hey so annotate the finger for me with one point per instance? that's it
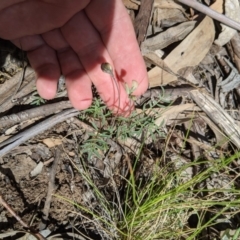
(77, 81)
(20, 18)
(44, 61)
(117, 33)
(86, 42)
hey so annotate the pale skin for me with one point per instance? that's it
(73, 38)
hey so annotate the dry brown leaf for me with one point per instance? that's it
(52, 142)
(217, 6)
(189, 52)
(174, 113)
(130, 5)
(168, 4)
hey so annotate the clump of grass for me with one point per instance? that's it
(162, 205)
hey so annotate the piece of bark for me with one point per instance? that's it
(235, 43)
(8, 88)
(171, 35)
(236, 60)
(234, 48)
(42, 111)
(217, 114)
(51, 189)
(142, 20)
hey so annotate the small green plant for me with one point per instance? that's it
(37, 100)
(100, 117)
(131, 89)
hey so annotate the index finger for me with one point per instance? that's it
(115, 27)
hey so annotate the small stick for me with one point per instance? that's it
(37, 112)
(24, 66)
(107, 68)
(22, 137)
(211, 13)
(51, 189)
(10, 210)
(19, 83)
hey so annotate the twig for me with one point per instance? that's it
(211, 13)
(141, 21)
(26, 88)
(51, 189)
(42, 111)
(35, 130)
(20, 82)
(10, 210)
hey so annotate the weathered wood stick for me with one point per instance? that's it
(211, 13)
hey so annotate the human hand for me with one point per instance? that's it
(74, 38)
